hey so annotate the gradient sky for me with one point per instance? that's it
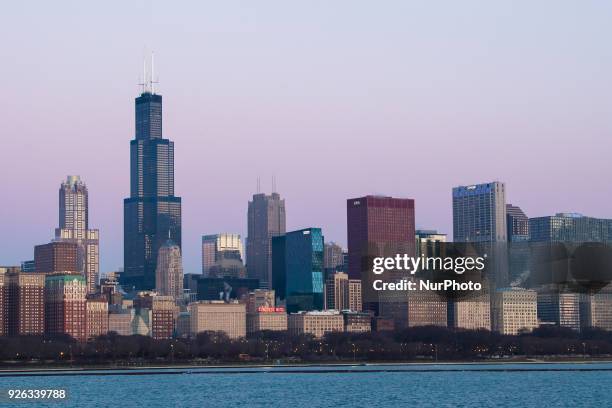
(337, 99)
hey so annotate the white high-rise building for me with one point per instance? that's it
(169, 271)
(74, 227)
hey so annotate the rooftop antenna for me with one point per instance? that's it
(258, 185)
(143, 84)
(152, 80)
(274, 184)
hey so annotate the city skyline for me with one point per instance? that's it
(285, 118)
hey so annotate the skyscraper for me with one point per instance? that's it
(377, 226)
(22, 309)
(377, 223)
(428, 242)
(222, 255)
(479, 213)
(74, 227)
(570, 227)
(152, 213)
(333, 259)
(518, 245)
(298, 269)
(479, 218)
(169, 272)
(517, 224)
(266, 219)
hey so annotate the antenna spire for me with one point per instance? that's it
(153, 81)
(148, 76)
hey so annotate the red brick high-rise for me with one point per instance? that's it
(56, 256)
(377, 226)
(163, 313)
(26, 304)
(65, 305)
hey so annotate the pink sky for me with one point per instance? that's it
(335, 99)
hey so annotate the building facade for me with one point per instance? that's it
(596, 310)
(377, 226)
(337, 291)
(25, 306)
(357, 322)
(56, 256)
(470, 314)
(223, 255)
(229, 318)
(333, 259)
(428, 242)
(570, 227)
(152, 213)
(267, 318)
(515, 311)
(96, 317)
(298, 269)
(65, 305)
(163, 312)
(74, 228)
(559, 308)
(316, 323)
(169, 271)
(266, 219)
(517, 224)
(479, 213)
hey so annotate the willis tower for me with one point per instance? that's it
(152, 213)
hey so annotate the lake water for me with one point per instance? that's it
(440, 385)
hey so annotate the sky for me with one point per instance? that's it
(335, 99)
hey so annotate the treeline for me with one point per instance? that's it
(414, 344)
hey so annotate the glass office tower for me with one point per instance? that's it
(152, 213)
(297, 269)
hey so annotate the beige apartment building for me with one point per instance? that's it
(217, 315)
(274, 319)
(354, 295)
(342, 293)
(515, 310)
(596, 310)
(317, 323)
(471, 314)
(96, 317)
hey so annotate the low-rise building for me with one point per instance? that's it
(218, 316)
(559, 308)
(120, 322)
(317, 323)
(596, 310)
(515, 311)
(163, 313)
(357, 322)
(96, 315)
(471, 314)
(267, 318)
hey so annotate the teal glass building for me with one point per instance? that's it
(297, 269)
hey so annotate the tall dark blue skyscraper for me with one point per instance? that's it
(152, 213)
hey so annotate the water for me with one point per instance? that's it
(440, 385)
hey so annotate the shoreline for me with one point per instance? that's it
(296, 367)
